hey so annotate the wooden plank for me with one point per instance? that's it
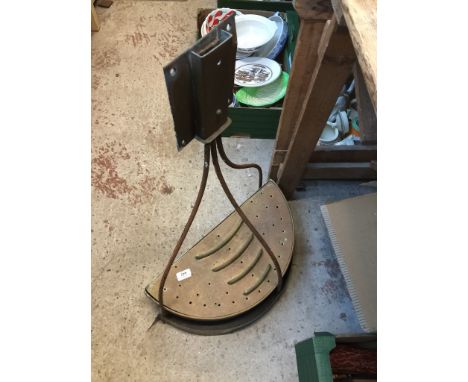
(303, 64)
(367, 117)
(361, 19)
(357, 153)
(340, 171)
(95, 25)
(314, 9)
(335, 61)
(336, 4)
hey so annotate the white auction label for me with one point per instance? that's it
(185, 274)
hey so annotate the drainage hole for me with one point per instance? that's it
(242, 261)
(175, 266)
(271, 196)
(282, 243)
(209, 283)
(229, 248)
(190, 302)
(233, 302)
(277, 206)
(252, 275)
(176, 296)
(284, 230)
(165, 289)
(259, 291)
(273, 225)
(227, 292)
(198, 294)
(180, 285)
(246, 298)
(204, 304)
(263, 233)
(268, 281)
(256, 216)
(219, 304)
(266, 206)
(218, 235)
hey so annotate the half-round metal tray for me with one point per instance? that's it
(228, 273)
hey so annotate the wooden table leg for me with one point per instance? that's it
(367, 116)
(305, 59)
(314, 15)
(335, 61)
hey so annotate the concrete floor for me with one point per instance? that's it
(142, 192)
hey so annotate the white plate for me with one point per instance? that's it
(256, 71)
(268, 48)
(202, 29)
(253, 31)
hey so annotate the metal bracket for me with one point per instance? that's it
(199, 83)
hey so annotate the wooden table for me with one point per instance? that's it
(331, 37)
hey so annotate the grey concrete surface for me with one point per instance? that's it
(142, 192)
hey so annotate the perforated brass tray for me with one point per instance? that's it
(227, 273)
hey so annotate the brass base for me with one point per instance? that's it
(228, 272)
(229, 325)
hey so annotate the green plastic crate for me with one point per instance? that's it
(256, 122)
(312, 356)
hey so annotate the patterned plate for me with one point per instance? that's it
(215, 17)
(256, 71)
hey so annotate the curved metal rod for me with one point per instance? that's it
(222, 153)
(206, 167)
(244, 217)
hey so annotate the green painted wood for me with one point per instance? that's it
(313, 360)
(253, 122)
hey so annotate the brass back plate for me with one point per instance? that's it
(228, 272)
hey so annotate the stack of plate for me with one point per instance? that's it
(253, 33)
(262, 79)
(257, 36)
(273, 47)
(259, 42)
